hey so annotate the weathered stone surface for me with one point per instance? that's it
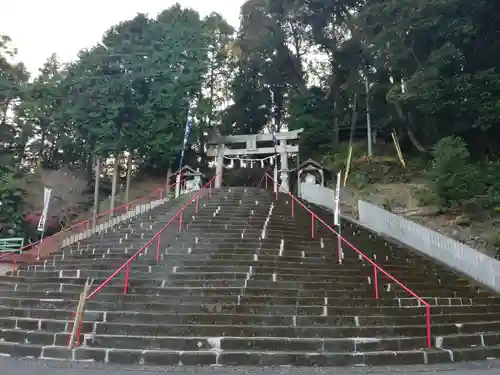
(239, 286)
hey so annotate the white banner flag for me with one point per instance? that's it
(336, 219)
(43, 217)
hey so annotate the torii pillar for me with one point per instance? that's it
(284, 171)
(219, 165)
(219, 151)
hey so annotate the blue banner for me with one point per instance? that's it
(189, 125)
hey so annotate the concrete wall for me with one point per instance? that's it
(462, 258)
(456, 255)
(319, 195)
(137, 210)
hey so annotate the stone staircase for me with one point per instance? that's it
(244, 283)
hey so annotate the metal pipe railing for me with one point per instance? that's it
(127, 264)
(84, 224)
(376, 267)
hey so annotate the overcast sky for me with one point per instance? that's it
(40, 27)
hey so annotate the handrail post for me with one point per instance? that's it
(127, 275)
(210, 192)
(266, 180)
(39, 250)
(74, 337)
(339, 248)
(128, 263)
(158, 249)
(428, 322)
(196, 210)
(376, 268)
(180, 223)
(293, 206)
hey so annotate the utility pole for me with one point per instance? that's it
(129, 174)
(116, 167)
(368, 119)
(96, 189)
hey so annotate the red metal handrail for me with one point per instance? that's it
(128, 263)
(376, 267)
(262, 179)
(85, 223)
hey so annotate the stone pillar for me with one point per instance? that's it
(284, 171)
(299, 192)
(219, 165)
(275, 177)
(177, 185)
(167, 184)
(197, 180)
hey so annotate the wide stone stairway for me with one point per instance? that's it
(242, 282)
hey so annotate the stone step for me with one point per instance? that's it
(221, 294)
(158, 278)
(107, 294)
(262, 295)
(211, 289)
(285, 320)
(250, 343)
(225, 260)
(253, 304)
(294, 262)
(330, 308)
(226, 357)
(453, 301)
(236, 287)
(472, 340)
(143, 329)
(261, 266)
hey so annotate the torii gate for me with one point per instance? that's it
(217, 148)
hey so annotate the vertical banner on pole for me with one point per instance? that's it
(45, 211)
(337, 200)
(43, 217)
(336, 218)
(189, 124)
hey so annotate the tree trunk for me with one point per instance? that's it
(411, 135)
(408, 124)
(42, 146)
(96, 188)
(354, 118)
(336, 131)
(116, 169)
(89, 167)
(129, 175)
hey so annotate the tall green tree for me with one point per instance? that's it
(216, 86)
(13, 82)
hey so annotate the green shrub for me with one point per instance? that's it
(425, 196)
(11, 203)
(453, 177)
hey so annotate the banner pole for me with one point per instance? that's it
(40, 245)
(43, 218)
(336, 218)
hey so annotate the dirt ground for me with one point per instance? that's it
(400, 198)
(73, 198)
